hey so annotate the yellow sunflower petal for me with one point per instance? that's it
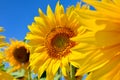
(106, 68)
(5, 76)
(65, 67)
(51, 16)
(35, 39)
(43, 67)
(1, 57)
(107, 37)
(52, 69)
(78, 57)
(117, 2)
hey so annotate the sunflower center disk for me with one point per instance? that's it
(21, 55)
(58, 42)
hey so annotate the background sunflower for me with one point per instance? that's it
(17, 54)
(106, 13)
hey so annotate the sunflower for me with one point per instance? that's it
(59, 40)
(2, 44)
(2, 38)
(107, 13)
(17, 54)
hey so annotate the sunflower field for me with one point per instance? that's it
(80, 42)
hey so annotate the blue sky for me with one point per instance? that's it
(16, 15)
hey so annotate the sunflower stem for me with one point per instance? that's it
(60, 73)
(72, 72)
(29, 74)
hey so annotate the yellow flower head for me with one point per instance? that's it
(2, 39)
(17, 54)
(2, 43)
(108, 13)
(58, 39)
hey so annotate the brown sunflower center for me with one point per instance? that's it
(21, 54)
(58, 42)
